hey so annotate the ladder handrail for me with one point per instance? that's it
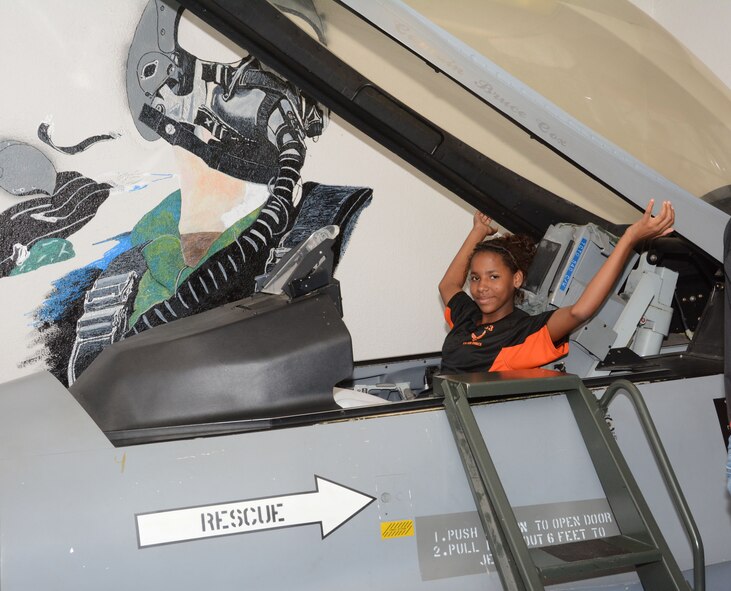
(668, 475)
(655, 565)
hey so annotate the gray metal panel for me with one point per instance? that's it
(409, 462)
(39, 416)
(74, 511)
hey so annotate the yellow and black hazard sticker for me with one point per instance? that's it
(397, 529)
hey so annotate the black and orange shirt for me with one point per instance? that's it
(518, 341)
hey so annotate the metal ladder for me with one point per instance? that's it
(640, 545)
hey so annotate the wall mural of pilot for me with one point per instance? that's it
(239, 133)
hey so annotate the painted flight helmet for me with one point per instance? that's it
(222, 112)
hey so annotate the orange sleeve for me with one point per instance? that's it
(448, 317)
(537, 349)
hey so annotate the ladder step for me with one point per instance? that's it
(592, 558)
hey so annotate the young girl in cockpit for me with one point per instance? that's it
(487, 331)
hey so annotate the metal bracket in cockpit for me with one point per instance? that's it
(306, 267)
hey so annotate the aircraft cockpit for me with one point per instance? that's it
(664, 319)
(415, 90)
(289, 344)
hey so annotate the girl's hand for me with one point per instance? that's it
(482, 222)
(649, 226)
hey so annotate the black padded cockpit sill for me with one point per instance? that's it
(262, 357)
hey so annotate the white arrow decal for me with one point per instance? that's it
(330, 505)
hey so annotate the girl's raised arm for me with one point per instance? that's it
(565, 320)
(456, 273)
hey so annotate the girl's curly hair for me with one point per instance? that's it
(516, 250)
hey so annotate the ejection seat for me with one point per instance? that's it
(634, 319)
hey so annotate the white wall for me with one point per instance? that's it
(701, 25)
(402, 244)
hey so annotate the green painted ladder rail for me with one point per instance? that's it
(640, 545)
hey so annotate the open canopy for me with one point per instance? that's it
(463, 104)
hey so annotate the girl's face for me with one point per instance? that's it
(493, 285)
